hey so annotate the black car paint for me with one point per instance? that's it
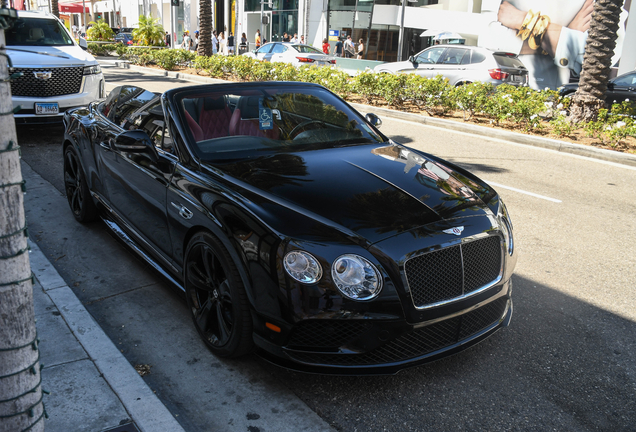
(260, 215)
(616, 93)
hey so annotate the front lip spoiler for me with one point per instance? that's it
(393, 368)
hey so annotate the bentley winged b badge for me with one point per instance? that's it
(456, 230)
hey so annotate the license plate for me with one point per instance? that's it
(518, 78)
(47, 108)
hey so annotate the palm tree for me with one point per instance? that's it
(100, 31)
(205, 28)
(55, 8)
(599, 49)
(150, 32)
(19, 382)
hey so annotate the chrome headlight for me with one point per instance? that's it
(302, 266)
(92, 70)
(506, 226)
(356, 277)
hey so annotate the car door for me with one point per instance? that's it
(622, 88)
(264, 52)
(425, 62)
(279, 53)
(451, 64)
(136, 181)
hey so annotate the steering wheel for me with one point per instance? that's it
(296, 130)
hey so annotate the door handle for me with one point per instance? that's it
(183, 211)
(107, 145)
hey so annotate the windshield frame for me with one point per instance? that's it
(356, 130)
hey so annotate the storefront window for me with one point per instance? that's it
(277, 5)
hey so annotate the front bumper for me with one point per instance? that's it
(92, 89)
(380, 347)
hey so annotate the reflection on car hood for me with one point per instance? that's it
(395, 66)
(374, 191)
(49, 56)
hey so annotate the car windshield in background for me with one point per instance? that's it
(243, 123)
(306, 49)
(37, 32)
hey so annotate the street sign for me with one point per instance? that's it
(334, 35)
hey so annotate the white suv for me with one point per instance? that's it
(57, 73)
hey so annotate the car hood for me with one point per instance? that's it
(394, 67)
(375, 191)
(49, 56)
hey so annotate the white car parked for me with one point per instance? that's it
(57, 73)
(296, 54)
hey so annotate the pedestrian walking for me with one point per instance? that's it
(302, 39)
(349, 49)
(186, 43)
(338, 48)
(167, 39)
(325, 46)
(294, 40)
(230, 44)
(215, 43)
(196, 41)
(257, 39)
(360, 49)
(222, 44)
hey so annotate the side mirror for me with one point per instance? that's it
(412, 59)
(374, 120)
(610, 86)
(83, 44)
(133, 141)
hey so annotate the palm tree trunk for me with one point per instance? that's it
(599, 49)
(205, 30)
(55, 9)
(20, 376)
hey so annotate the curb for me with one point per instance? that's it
(144, 407)
(514, 137)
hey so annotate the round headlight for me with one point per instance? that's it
(303, 267)
(356, 278)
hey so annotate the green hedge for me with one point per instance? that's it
(527, 108)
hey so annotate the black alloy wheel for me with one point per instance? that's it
(77, 193)
(216, 297)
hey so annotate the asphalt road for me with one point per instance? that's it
(566, 363)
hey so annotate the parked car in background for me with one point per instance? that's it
(296, 54)
(125, 38)
(462, 65)
(57, 73)
(293, 225)
(619, 89)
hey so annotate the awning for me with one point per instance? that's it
(72, 7)
(440, 34)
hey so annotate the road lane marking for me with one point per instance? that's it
(523, 192)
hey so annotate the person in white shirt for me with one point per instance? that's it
(551, 43)
(185, 44)
(74, 28)
(222, 44)
(215, 43)
(349, 48)
(294, 40)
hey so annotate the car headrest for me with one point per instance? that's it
(214, 104)
(36, 33)
(249, 107)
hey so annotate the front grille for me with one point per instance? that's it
(418, 342)
(325, 333)
(63, 81)
(453, 271)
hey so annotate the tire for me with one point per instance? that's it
(77, 192)
(216, 297)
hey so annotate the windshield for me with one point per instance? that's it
(244, 123)
(37, 32)
(306, 49)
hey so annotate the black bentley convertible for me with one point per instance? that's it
(295, 228)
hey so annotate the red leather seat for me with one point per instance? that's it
(244, 120)
(208, 118)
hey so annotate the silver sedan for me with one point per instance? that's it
(296, 54)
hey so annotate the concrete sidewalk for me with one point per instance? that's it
(92, 386)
